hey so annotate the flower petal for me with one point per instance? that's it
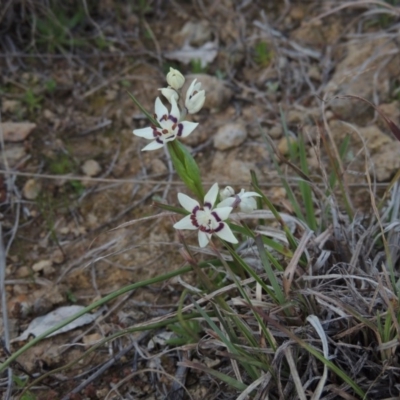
(160, 109)
(196, 103)
(211, 195)
(225, 203)
(185, 223)
(204, 238)
(188, 128)
(153, 146)
(175, 109)
(223, 212)
(248, 205)
(187, 202)
(248, 194)
(226, 234)
(168, 93)
(190, 91)
(146, 133)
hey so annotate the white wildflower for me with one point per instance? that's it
(170, 126)
(206, 219)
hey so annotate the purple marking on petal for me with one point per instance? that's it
(194, 221)
(220, 227)
(180, 130)
(172, 118)
(197, 208)
(205, 229)
(216, 216)
(159, 140)
(156, 133)
(208, 205)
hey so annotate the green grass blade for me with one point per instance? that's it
(270, 273)
(305, 188)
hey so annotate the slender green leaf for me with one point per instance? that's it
(144, 111)
(267, 267)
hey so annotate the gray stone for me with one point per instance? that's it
(230, 135)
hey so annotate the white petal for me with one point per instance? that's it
(169, 93)
(223, 212)
(204, 238)
(188, 128)
(212, 194)
(146, 133)
(185, 223)
(160, 109)
(190, 90)
(196, 103)
(248, 205)
(175, 109)
(152, 146)
(248, 194)
(226, 203)
(187, 202)
(226, 234)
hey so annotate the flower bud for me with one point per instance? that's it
(175, 79)
(169, 93)
(195, 98)
(227, 192)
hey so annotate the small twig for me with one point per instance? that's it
(3, 297)
(106, 366)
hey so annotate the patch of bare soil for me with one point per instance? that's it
(72, 171)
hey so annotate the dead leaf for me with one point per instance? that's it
(41, 324)
(205, 53)
(16, 131)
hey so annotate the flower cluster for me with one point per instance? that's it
(170, 125)
(207, 217)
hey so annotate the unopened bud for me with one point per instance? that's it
(175, 79)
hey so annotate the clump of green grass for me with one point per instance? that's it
(263, 54)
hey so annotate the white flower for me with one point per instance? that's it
(195, 98)
(169, 93)
(245, 200)
(206, 219)
(175, 79)
(170, 126)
